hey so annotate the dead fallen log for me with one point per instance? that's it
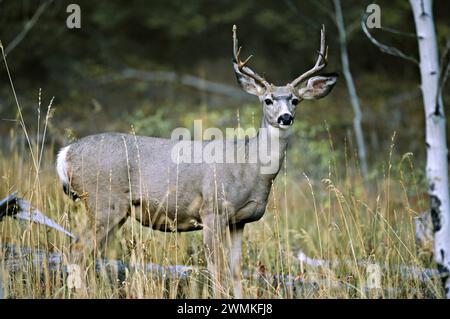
(406, 272)
(14, 259)
(21, 209)
(17, 258)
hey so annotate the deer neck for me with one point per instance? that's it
(272, 145)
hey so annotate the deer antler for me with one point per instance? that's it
(242, 64)
(321, 62)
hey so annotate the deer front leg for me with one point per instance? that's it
(212, 238)
(235, 255)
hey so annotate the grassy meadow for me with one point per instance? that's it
(331, 215)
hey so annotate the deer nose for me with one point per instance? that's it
(285, 119)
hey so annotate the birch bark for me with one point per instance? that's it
(436, 143)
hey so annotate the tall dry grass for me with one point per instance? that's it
(340, 218)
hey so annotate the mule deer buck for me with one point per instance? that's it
(115, 174)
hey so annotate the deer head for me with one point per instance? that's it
(280, 102)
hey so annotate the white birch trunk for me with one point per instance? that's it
(437, 153)
(354, 99)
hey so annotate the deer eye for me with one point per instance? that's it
(268, 101)
(294, 101)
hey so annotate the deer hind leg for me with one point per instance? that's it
(103, 217)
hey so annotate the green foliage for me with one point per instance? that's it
(310, 151)
(158, 124)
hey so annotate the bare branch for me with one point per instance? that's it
(383, 47)
(445, 69)
(397, 32)
(443, 77)
(173, 77)
(21, 209)
(28, 26)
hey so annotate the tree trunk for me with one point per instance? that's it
(351, 89)
(437, 153)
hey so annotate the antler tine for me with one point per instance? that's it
(242, 64)
(321, 62)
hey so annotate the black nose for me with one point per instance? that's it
(285, 119)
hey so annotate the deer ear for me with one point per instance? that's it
(318, 86)
(247, 83)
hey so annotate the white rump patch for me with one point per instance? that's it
(61, 165)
